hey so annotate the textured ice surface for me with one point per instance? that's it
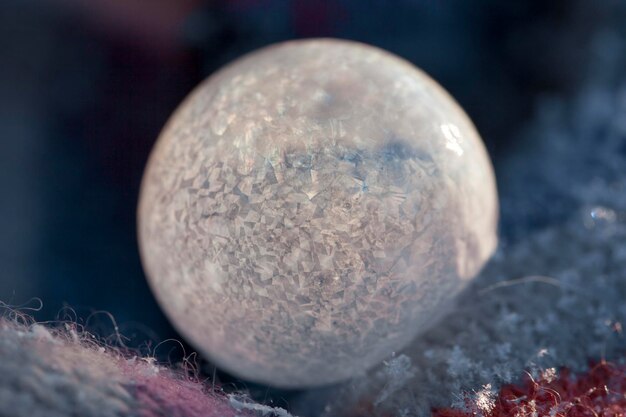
(312, 207)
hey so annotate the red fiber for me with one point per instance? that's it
(601, 392)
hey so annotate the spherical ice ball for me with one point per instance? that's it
(310, 208)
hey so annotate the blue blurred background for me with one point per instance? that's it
(86, 85)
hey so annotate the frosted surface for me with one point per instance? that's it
(312, 207)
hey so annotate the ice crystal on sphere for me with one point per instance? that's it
(312, 207)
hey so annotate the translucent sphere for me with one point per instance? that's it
(312, 207)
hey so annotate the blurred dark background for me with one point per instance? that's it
(86, 85)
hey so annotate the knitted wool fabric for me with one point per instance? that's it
(54, 373)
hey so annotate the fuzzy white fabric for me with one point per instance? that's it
(61, 372)
(44, 376)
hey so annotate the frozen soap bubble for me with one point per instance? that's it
(310, 208)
